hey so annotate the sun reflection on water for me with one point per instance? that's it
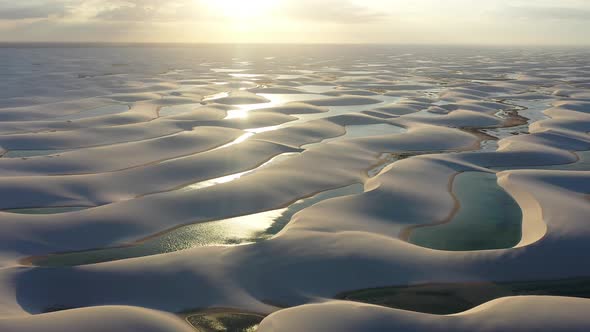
(233, 177)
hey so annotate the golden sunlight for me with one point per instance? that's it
(241, 9)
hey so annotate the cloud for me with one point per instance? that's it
(338, 11)
(99, 10)
(548, 13)
(31, 9)
(496, 21)
(130, 11)
(335, 11)
(153, 10)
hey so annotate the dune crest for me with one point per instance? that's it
(230, 187)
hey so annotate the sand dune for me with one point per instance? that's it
(334, 174)
(116, 318)
(509, 314)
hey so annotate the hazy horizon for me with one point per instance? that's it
(399, 22)
(81, 43)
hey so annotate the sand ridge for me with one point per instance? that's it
(129, 168)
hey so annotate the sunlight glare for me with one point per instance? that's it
(242, 9)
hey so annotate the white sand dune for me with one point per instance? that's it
(126, 184)
(509, 314)
(115, 318)
(242, 137)
(123, 155)
(344, 101)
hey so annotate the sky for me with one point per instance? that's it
(478, 22)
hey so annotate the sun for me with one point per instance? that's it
(242, 9)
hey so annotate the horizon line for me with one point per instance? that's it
(7, 43)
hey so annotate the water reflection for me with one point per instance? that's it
(487, 218)
(316, 88)
(31, 153)
(453, 298)
(583, 164)
(238, 140)
(231, 231)
(216, 96)
(275, 100)
(360, 131)
(529, 109)
(225, 321)
(233, 177)
(47, 210)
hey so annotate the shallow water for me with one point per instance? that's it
(385, 160)
(316, 88)
(487, 218)
(275, 100)
(216, 96)
(231, 231)
(31, 153)
(354, 109)
(444, 299)
(533, 112)
(426, 114)
(236, 176)
(360, 131)
(225, 322)
(46, 210)
(583, 164)
(534, 109)
(353, 131)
